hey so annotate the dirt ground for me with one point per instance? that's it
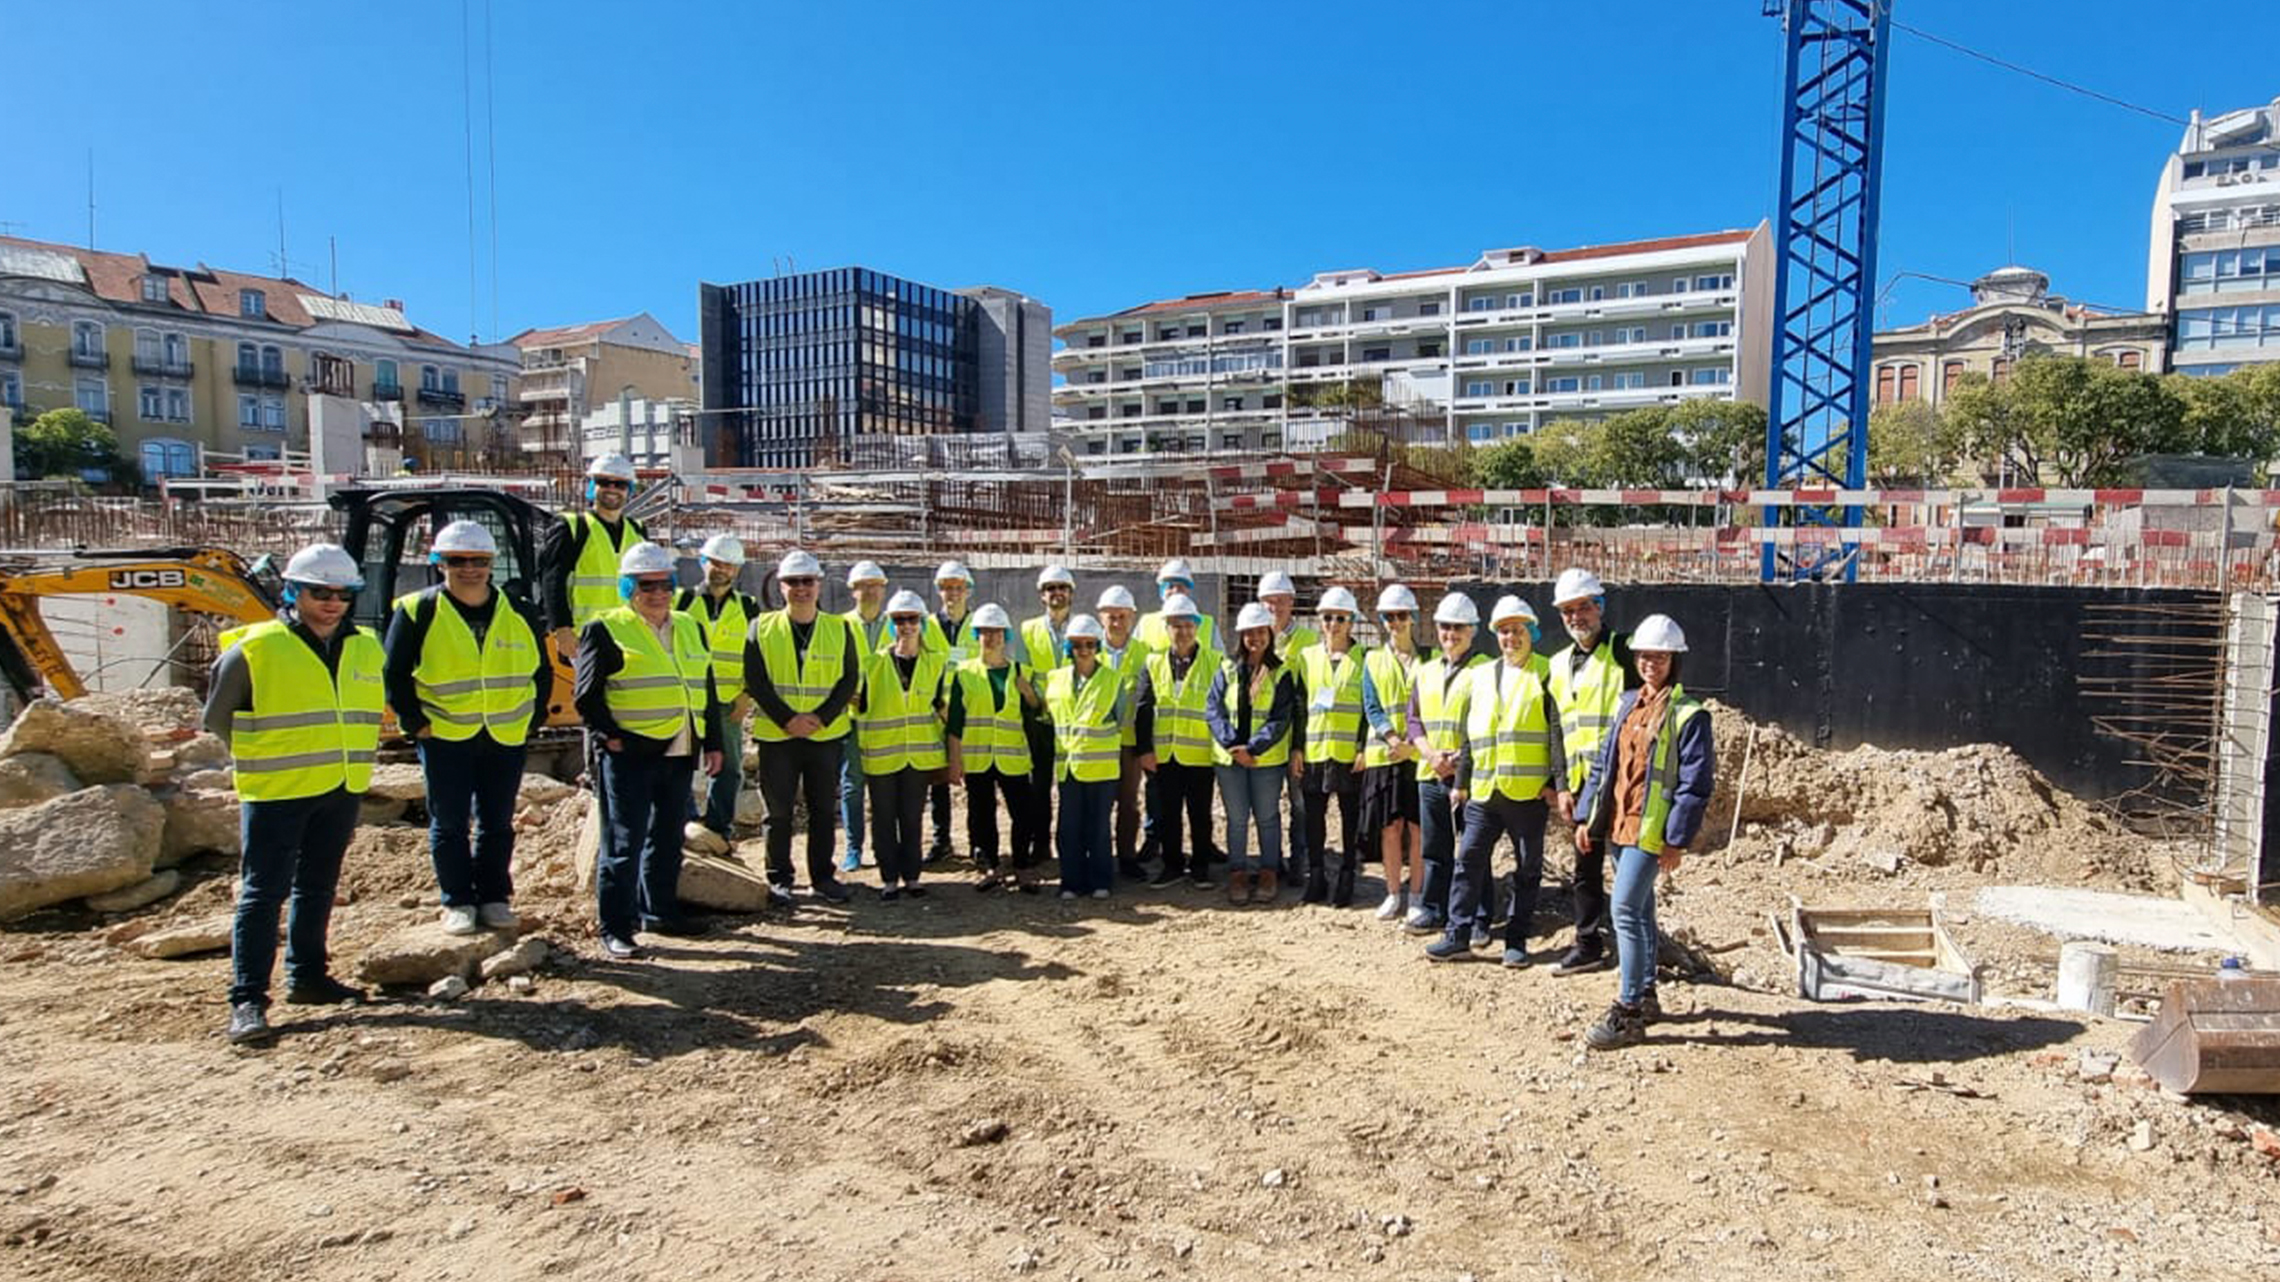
(1162, 1085)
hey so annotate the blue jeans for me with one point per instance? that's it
(1636, 935)
(292, 856)
(637, 876)
(721, 790)
(1440, 827)
(1253, 795)
(851, 804)
(1472, 897)
(1088, 852)
(473, 778)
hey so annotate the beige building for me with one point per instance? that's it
(570, 371)
(2012, 314)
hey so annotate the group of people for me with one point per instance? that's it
(1101, 736)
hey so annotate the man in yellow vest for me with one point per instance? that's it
(726, 615)
(1041, 652)
(299, 700)
(1081, 697)
(1174, 578)
(1588, 679)
(469, 682)
(1330, 671)
(1279, 593)
(1127, 654)
(1172, 740)
(801, 667)
(873, 632)
(1432, 730)
(645, 691)
(578, 562)
(949, 633)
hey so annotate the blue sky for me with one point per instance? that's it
(1095, 156)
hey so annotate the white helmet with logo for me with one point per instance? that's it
(992, 615)
(1457, 608)
(1252, 616)
(953, 572)
(865, 572)
(325, 565)
(1576, 585)
(905, 602)
(645, 558)
(1179, 605)
(1055, 575)
(1276, 583)
(616, 467)
(465, 536)
(1659, 632)
(1511, 607)
(799, 564)
(1176, 568)
(1397, 596)
(1084, 627)
(1115, 597)
(724, 548)
(1337, 601)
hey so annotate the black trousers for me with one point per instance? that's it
(938, 804)
(1040, 734)
(807, 769)
(1316, 795)
(1590, 895)
(983, 790)
(898, 802)
(1184, 791)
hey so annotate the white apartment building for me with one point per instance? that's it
(1496, 348)
(2214, 262)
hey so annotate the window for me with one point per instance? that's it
(1520, 344)
(1479, 346)
(1096, 411)
(177, 404)
(1567, 383)
(1429, 309)
(2131, 359)
(1128, 411)
(11, 390)
(1129, 336)
(92, 396)
(249, 411)
(1479, 387)
(1271, 401)
(1678, 286)
(1375, 313)
(86, 338)
(1167, 407)
(1515, 387)
(1427, 349)
(177, 351)
(148, 350)
(1480, 432)
(1231, 404)
(1273, 441)
(1572, 294)
(1714, 329)
(272, 360)
(1275, 322)
(1166, 333)
(1377, 354)
(273, 413)
(1563, 340)
(249, 356)
(440, 429)
(451, 380)
(1481, 304)
(1232, 327)
(150, 404)
(252, 305)
(1198, 330)
(262, 451)
(1908, 389)
(1950, 374)
(1631, 289)
(1626, 382)
(1591, 383)
(1525, 300)
(1711, 377)
(1231, 440)
(8, 331)
(1096, 340)
(1096, 446)
(1714, 282)
(1677, 331)
(1884, 383)
(1596, 338)
(1096, 376)
(2000, 372)
(164, 456)
(384, 376)
(154, 289)
(1195, 405)
(1598, 293)
(431, 378)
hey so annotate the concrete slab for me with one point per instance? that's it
(2144, 920)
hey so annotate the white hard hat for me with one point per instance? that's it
(1053, 574)
(1086, 627)
(1397, 596)
(724, 548)
(953, 571)
(865, 572)
(1176, 568)
(1338, 600)
(1252, 616)
(465, 536)
(615, 466)
(646, 558)
(1457, 608)
(1115, 597)
(906, 602)
(1575, 585)
(326, 565)
(1510, 607)
(1179, 605)
(990, 616)
(1276, 583)
(1659, 632)
(799, 564)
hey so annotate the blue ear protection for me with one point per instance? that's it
(630, 487)
(625, 586)
(292, 592)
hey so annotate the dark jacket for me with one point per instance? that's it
(1697, 766)
(558, 551)
(407, 638)
(1229, 722)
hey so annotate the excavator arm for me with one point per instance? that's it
(207, 580)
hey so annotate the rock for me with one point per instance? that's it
(30, 778)
(149, 891)
(416, 956)
(398, 781)
(161, 709)
(198, 820)
(390, 1070)
(722, 885)
(1888, 862)
(751, 811)
(700, 840)
(527, 955)
(520, 983)
(582, 857)
(2141, 1136)
(201, 753)
(209, 936)
(1395, 1225)
(450, 988)
(98, 747)
(381, 810)
(2094, 1066)
(89, 842)
(983, 1130)
(2264, 1140)
(1274, 1179)
(541, 790)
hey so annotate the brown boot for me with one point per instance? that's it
(1270, 882)
(1238, 887)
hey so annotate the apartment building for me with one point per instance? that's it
(2012, 315)
(1191, 374)
(2213, 265)
(569, 372)
(184, 360)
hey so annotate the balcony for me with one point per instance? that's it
(11, 351)
(272, 377)
(442, 398)
(81, 358)
(387, 391)
(163, 368)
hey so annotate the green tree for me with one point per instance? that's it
(1565, 451)
(1911, 444)
(1508, 465)
(2067, 420)
(64, 443)
(2236, 416)
(1724, 440)
(1640, 448)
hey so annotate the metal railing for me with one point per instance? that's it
(269, 376)
(163, 367)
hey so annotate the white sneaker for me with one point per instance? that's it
(1068, 894)
(1419, 921)
(459, 919)
(497, 917)
(1100, 894)
(1393, 907)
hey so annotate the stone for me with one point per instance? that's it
(1395, 1225)
(1274, 1179)
(98, 747)
(450, 988)
(158, 886)
(398, 781)
(30, 778)
(520, 984)
(390, 1070)
(88, 842)
(2265, 1140)
(150, 709)
(2141, 1136)
(751, 811)
(1888, 862)
(541, 790)
(416, 956)
(201, 752)
(983, 1130)
(211, 935)
(589, 846)
(2096, 1066)
(700, 840)
(199, 820)
(527, 955)
(722, 885)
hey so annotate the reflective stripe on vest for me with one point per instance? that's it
(725, 635)
(309, 730)
(1441, 706)
(899, 728)
(594, 576)
(1084, 725)
(1262, 704)
(803, 680)
(1516, 761)
(653, 693)
(1127, 662)
(1662, 770)
(464, 688)
(1182, 733)
(1297, 639)
(954, 649)
(993, 738)
(1392, 679)
(1587, 704)
(1333, 702)
(1038, 639)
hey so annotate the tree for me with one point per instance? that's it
(2236, 416)
(2067, 420)
(65, 443)
(1724, 440)
(1640, 449)
(1508, 465)
(1911, 444)
(1564, 451)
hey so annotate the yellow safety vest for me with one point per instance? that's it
(1662, 769)
(1392, 681)
(1295, 642)
(993, 738)
(878, 634)
(1182, 733)
(465, 689)
(726, 635)
(594, 576)
(954, 649)
(1510, 734)
(1440, 705)
(310, 730)
(803, 681)
(1037, 638)
(1128, 663)
(1084, 724)
(1158, 634)
(1587, 704)
(1277, 752)
(1333, 702)
(899, 728)
(653, 692)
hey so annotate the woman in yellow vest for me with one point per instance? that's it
(1432, 727)
(469, 682)
(1255, 716)
(1172, 742)
(1123, 650)
(645, 690)
(726, 615)
(1389, 789)
(1331, 671)
(1083, 696)
(298, 699)
(1507, 777)
(1648, 788)
(898, 729)
(989, 752)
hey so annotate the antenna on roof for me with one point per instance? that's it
(332, 244)
(91, 198)
(283, 267)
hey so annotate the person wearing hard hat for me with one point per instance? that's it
(872, 634)
(949, 632)
(578, 561)
(990, 752)
(1433, 726)
(802, 667)
(1330, 674)
(1175, 578)
(1081, 697)
(1644, 797)
(1389, 796)
(1256, 719)
(298, 699)
(1508, 778)
(1042, 638)
(1279, 594)
(898, 729)
(1588, 678)
(1172, 744)
(726, 615)
(645, 691)
(1127, 655)
(469, 681)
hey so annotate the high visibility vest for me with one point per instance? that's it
(1333, 702)
(1128, 662)
(1084, 724)
(898, 728)
(1587, 702)
(464, 688)
(1511, 735)
(1662, 770)
(993, 738)
(1038, 639)
(654, 693)
(1441, 706)
(1293, 642)
(310, 730)
(1158, 634)
(1182, 733)
(803, 681)
(1391, 678)
(954, 649)
(594, 575)
(1277, 752)
(725, 635)
(876, 635)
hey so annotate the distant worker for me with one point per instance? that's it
(645, 691)
(298, 699)
(801, 667)
(1588, 677)
(1433, 725)
(950, 633)
(578, 560)
(1174, 578)
(1331, 672)
(1280, 595)
(989, 750)
(898, 729)
(469, 682)
(1042, 639)
(872, 634)
(1121, 650)
(1387, 676)
(1081, 697)
(1647, 790)
(726, 615)
(1256, 721)
(1173, 744)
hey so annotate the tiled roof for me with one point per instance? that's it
(1647, 246)
(567, 335)
(1202, 302)
(211, 291)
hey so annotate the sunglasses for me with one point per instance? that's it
(1329, 619)
(1395, 616)
(315, 593)
(462, 562)
(797, 583)
(653, 585)
(603, 484)
(907, 620)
